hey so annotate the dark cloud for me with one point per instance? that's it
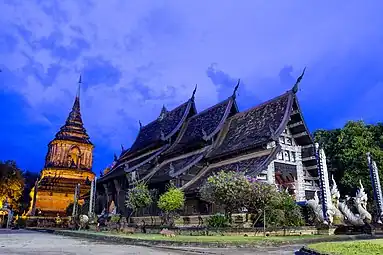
(100, 71)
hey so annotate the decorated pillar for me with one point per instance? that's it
(271, 173)
(300, 194)
(377, 190)
(92, 198)
(323, 182)
(75, 200)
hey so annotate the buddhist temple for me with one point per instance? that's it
(68, 162)
(182, 146)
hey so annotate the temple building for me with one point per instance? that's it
(68, 162)
(182, 146)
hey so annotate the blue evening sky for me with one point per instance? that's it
(135, 56)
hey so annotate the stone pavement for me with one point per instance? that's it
(24, 242)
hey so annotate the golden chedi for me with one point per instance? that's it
(68, 162)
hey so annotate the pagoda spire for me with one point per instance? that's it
(73, 129)
(79, 87)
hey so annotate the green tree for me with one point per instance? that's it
(283, 211)
(228, 189)
(11, 183)
(170, 202)
(29, 182)
(138, 197)
(346, 150)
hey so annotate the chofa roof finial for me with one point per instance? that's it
(296, 85)
(194, 91)
(139, 122)
(236, 88)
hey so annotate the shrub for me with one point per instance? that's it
(138, 197)
(21, 223)
(228, 189)
(115, 218)
(283, 211)
(218, 221)
(170, 202)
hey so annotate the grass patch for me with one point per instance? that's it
(370, 247)
(209, 239)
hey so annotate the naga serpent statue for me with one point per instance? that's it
(360, 202)
(335, 196)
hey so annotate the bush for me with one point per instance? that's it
(115, 218)
(218, 221)
(138, 197)
(170, 202)
(283, 211)
(227, 189)
(21, 223)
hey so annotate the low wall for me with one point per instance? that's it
(200, 231)
(46, 222)
(238, 221)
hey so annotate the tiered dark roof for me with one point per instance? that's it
(73, 129)
(203, 126)
(219, 138)
(163, 127)
(256, 126)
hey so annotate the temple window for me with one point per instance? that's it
(280, 156)
(293, 156)
(288, 141)
(286, 155)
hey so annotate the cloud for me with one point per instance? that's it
(137, 55)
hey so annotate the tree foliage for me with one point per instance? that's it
(235, 191)
(138, 197)
(172, 200)
(228, 189)
(346, 150)
(29, 182)
(11, 183)
(283, 211)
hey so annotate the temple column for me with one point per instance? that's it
(106, 196)
(117, 197)
(271, 173)
(300, 182)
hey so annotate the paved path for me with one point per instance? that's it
(23, 242)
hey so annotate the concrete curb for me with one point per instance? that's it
(169, 244)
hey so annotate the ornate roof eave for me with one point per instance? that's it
(223, 120)
(130, 169)
(187, 167)
(204, 151)
(186, 113)
(268, 160)
(295, 99)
